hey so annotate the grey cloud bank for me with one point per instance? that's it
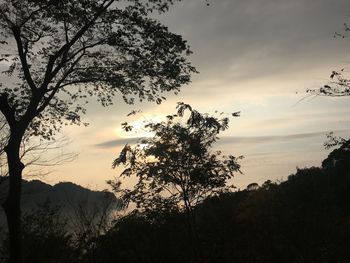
(255, 38)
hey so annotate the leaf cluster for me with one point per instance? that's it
(339, 84)
(177, 167)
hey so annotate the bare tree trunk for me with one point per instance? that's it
(12, 202)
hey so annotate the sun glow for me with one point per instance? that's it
(138, 127)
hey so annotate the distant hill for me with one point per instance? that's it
(69, 197)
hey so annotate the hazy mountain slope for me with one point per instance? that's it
(66, 195)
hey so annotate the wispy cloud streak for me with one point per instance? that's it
(230, 139)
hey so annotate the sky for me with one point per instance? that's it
(254, 56)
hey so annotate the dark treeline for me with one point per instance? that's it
(303, 219)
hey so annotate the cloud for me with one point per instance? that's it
(275, 138)
(254, 48)
(231, 139)
(246, 39)
(116, 142)
(253, 55)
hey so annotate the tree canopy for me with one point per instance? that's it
(61, 52)
(177, 167)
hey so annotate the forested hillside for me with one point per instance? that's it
(303, 219)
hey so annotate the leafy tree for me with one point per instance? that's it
(61, 52)
(177, 168)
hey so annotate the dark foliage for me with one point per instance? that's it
(45, 237)
(304, 219)
(177, 167)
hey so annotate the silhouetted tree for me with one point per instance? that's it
(339, 156)
(252, 187)
(45, 236)
(177, 168)
(339, 84)
(89, 221)
(60, 53)
(135, 238)
(303, 219)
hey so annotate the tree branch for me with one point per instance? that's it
(36, 11)
(58, 85)
(7, 111)
(23, 58)
(55, 71)
(65, 48)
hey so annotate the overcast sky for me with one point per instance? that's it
(254, 56)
